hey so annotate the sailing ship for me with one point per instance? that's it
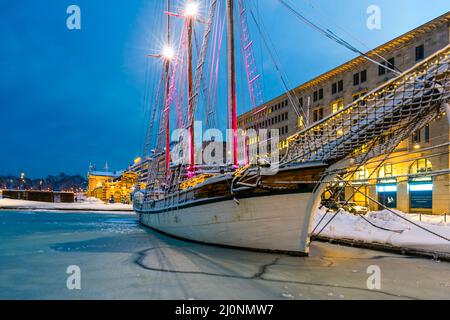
(262, 203)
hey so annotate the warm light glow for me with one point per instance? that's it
(168, 53)
(192, 9)
(417, 146)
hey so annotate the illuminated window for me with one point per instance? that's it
(300, 122)
(421, 166)
(283, 144)
(337, 105)
(361, 174)
(386, 171)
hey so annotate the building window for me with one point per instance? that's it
(360, 77)
(300, 122)
(389, 64)
(318, 95)
(356, 79)
(421, 166)
(300, 102)
(420, 52)
(363, 76)
(382, 69)
(386, 171)
(337, 105)
(426, 134)
(318, 114)
(361, 174)
(416, 137)
(337, 86)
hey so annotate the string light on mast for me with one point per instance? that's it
(192, 9)
(168, 53)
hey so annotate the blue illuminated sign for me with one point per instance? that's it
(421, 195)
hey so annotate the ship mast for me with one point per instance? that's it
(190, 25)
(231, 61)
(167, 111)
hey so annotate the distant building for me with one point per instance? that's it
(112, 186)
(96, 179)
(331, 91)
(140, 166)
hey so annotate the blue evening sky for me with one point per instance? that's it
(68, 98)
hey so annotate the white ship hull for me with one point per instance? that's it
(278, 222)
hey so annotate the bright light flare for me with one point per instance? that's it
(168, 53)
(192, 9)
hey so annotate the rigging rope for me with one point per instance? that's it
(331, 35)
(267, 42)
(330, 18)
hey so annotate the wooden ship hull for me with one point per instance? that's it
(273, 217)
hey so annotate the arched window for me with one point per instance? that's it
(421, 166)
(361, 174)
(386, 171)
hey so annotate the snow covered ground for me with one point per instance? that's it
(90, 204)
(348, 226)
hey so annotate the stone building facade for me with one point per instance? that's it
(390, 184)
